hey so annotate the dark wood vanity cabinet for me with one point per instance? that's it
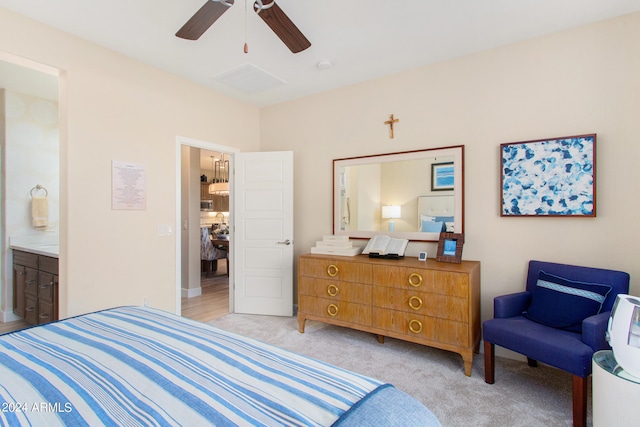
(35, 287)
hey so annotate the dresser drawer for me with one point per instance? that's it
(48, 264)
(335, 290)
(335, 310)
(422, 303)
(431, 328)
(335, 269)
(433, 281)
(25, 258)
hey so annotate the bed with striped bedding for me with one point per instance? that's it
(139, 366)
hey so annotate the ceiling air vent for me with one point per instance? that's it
(249, 79)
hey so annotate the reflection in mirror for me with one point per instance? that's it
(411, 195)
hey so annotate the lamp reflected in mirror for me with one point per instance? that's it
(391, 213)
(395, 194)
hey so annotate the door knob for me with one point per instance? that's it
(286, 242)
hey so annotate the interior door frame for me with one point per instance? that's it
(6, 266)
(210, 146)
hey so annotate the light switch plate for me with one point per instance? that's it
(165, 230)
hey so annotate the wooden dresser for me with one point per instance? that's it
(431, 303)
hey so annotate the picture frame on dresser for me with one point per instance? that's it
(450, 247)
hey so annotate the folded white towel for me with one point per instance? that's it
(39, 212)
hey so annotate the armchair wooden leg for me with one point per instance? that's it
(579, 401)
(489, 362)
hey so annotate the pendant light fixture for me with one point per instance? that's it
(220, 183)
(212, 188)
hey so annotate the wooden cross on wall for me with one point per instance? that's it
(390, 122)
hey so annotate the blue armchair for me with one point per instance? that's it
(561, 320)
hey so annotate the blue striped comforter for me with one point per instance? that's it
(140, 366)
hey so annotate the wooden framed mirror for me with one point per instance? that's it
(410, 195)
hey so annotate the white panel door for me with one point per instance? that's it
(263, 238)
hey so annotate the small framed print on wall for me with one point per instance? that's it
(450, 247)
(549, 177)
(442, 176)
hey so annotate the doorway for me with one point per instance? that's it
(29, 159)
(203, 289)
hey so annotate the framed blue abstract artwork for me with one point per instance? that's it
(442, 176)
(549, 177)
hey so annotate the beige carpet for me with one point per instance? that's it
(521, 396)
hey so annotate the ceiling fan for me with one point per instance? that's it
(268, 10)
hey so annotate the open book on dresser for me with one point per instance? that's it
(385, 246)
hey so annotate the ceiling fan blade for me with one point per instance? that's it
(203, 19)
(284, 28)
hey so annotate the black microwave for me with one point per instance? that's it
(206, 205)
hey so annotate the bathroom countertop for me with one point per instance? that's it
(40, 245)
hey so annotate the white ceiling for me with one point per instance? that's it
(363, 39)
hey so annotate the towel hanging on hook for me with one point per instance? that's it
(39, 207)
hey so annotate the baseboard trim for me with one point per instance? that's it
(191, 292)
(8, 316)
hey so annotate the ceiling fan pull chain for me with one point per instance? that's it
(246, 45)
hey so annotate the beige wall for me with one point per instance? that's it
(116, 108)
(579, 81)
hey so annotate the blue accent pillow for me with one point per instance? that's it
(432, 226)
(444, 218)
(562, 303)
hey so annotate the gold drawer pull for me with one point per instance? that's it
(332, 290)
(332, 310)
(417, 282)
(415, 326)
(332, 270)
(415, 303)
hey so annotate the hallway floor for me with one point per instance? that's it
(214, 301)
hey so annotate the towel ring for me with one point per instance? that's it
(39, 187)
